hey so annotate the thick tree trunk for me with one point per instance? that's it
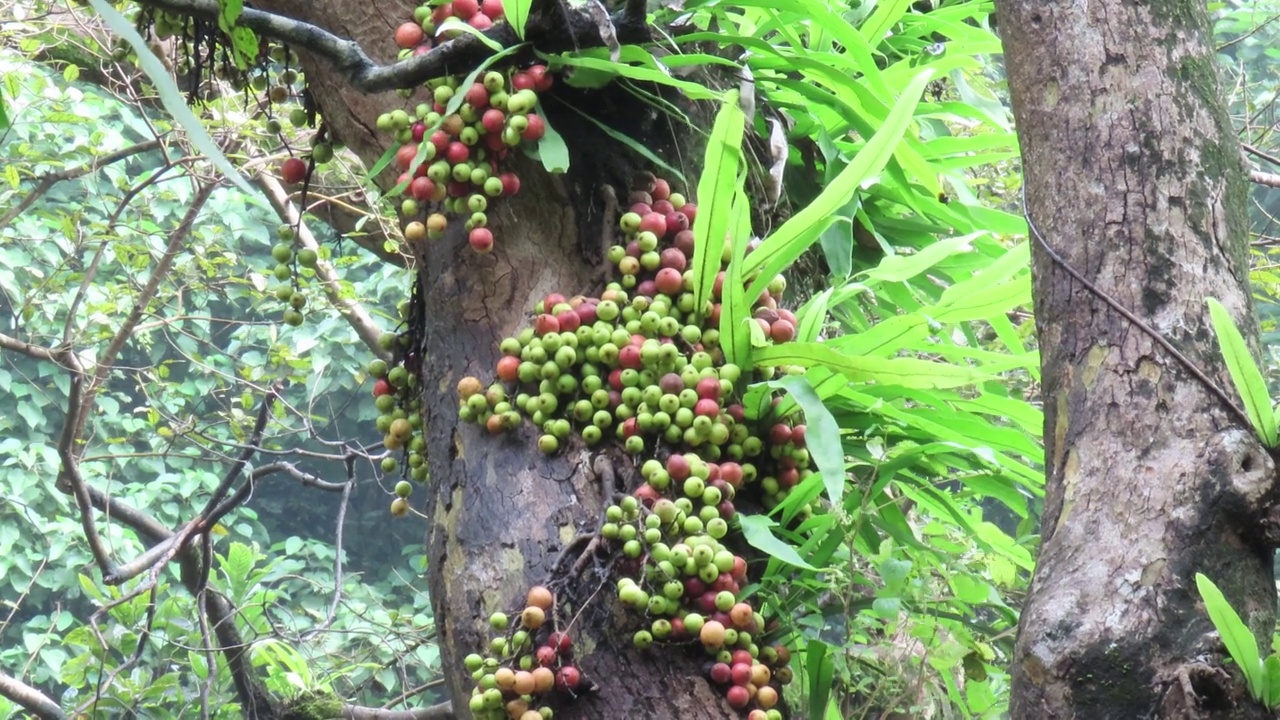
(500, 513)
(1134, 176)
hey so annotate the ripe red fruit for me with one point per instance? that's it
(646, 493)
(522, 81)
(569, 320)
(478, 96)
(419, 130)
(739, 568)
(546, 656)
(536, 128)
(567, 677)
(405, 155)
(788, 477)
(740, 673)
(782, 331)
(673, 258)
(493, 120)
(586, 314)
(742, 656)
(797, 435)
(669, 281)
(382, 387)
(720, 673)
(661, 189)
(422, 49)
(440, 13)
(508, 367)
(629, 357)
(409, 34)
(677, 222)
(731, 472)
(480, 21)
(654, 223)
(457, 153)
(742, 614)
(492, 8)
(542, 80)
(465, 8)
(684, 241)
(690, 211)
(546, 324)
(708, 388)
(779, 434)
(481, 240)
(560, 642)
(294, 170)
(663, 207)
(422, 189)
(510, 183)
(707, 407)
(550, 302)
(694, 587)
(678, 468)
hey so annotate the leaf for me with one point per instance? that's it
(786, 244)
(820, 669)
(552, 150)
(716, 189)
(517, 14)
(759, 535)
(897, 268)
(1271, 671)
(170, 96)
(823, 431)
(1240, 643)
(736, 322)
(907, 372)
(457, 25)
(1245, 375)
(886, 14)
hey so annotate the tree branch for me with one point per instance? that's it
(442, 711)
(1265, 178)
(546, 31)
(31, 699)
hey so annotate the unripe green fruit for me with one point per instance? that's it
(548, 444)
(389, 465)
(404, 488)
(292, 317)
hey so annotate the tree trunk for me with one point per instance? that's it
(501, 513)
(1134, 176)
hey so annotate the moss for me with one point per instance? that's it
(314, 706)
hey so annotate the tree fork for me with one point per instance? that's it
(1134, 176)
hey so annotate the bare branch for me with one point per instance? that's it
(354, 313)
(1265, 178)
(31, 699)
(442, 711)
(69, 477)
(21, 346)
(547, 31)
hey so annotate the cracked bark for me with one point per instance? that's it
(499, 512)
(1134, 176)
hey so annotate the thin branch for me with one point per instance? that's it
(48, 180)
(1265, 178)
(1260, 154)
(21, 346)
(70, 477)
(30, 699)
(547, 31)
(442, 711)
(354, 313)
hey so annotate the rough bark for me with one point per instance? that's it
(500, 513)
(1134, 176)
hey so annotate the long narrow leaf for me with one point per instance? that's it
(170, 95)
(716, 189)
(1244, 373)
(823, 434)
(1241, 643)
(884, 17)
(517, 14)
(735, 311)
(802, 230)
(907, 372)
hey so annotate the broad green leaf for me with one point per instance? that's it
(907, 372)
(244, 43)
(1240, 643)
(985, 302)
(695, 91)
(721, 165)
(517, 14)
(757, 529)
(1245, 375)
(786, 244)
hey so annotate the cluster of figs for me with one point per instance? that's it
(452, 149)
(641, 367)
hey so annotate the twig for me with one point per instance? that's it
(29, 698)
(1264, 178)
(442, 711)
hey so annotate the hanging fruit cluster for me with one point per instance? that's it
(452, 149)
(399, 409)
(642, 365)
